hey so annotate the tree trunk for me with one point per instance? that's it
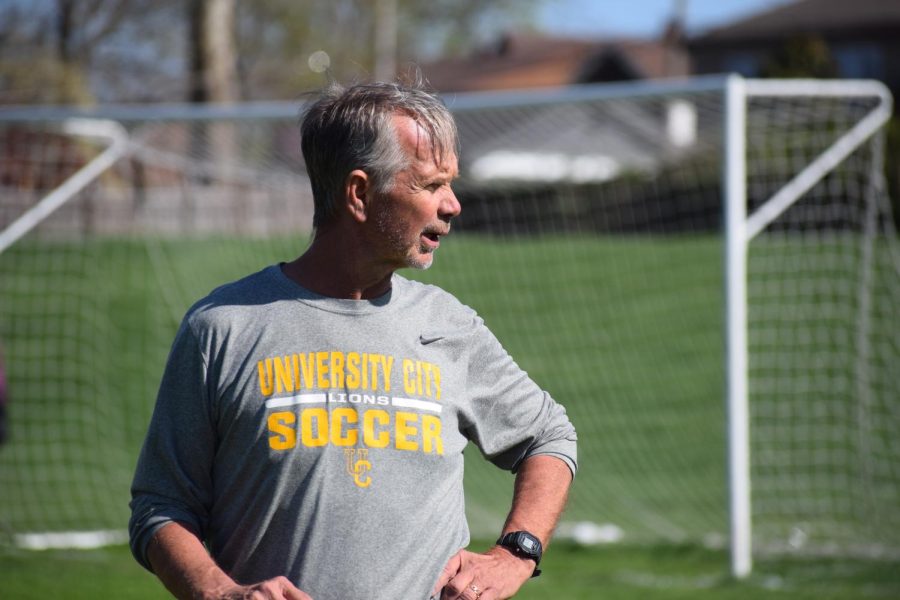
(385, 39)
(213, 57)
(72, 85)
(213, 78)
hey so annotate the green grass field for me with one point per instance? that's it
(668, 572)
(609, 326)
(625, 331)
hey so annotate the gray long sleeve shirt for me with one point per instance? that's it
(322, 439)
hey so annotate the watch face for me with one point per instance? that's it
(528, 544)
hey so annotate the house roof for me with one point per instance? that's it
(534, 61)
(807, 16)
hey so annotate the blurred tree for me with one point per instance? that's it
(448, 27)
(80, 26)
(48, 48)
(211, 43)
(800, 56)
(808, 56)
(212, 77)
(384, 44)
(276, 38)
(64, 51)
(28, 69)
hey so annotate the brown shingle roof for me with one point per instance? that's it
(534, 61)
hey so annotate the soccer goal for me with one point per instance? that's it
(705, 272)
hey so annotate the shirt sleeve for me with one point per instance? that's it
(173, 480)
(509, 417)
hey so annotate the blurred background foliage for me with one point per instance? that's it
(96, 51)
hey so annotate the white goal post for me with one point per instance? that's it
(642, 249)
(740, 230)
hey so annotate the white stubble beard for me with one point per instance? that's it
(416, 255)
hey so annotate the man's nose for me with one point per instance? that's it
(449, 206)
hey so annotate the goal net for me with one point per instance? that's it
(591, 241)
(823, 287)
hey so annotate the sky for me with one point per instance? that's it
(642, 18)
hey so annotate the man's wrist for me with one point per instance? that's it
(524, 546)
(528, 565)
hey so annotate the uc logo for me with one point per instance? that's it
(358, 466)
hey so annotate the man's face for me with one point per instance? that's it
(412, 217)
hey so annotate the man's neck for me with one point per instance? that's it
(332, 267)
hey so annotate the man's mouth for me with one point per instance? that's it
(434, 235)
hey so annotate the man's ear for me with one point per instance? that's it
(357, 194)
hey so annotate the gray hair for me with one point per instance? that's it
(352, 128)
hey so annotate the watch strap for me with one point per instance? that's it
(513, 541)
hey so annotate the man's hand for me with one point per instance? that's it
(542, 484)
(495, 575)
(182, 563)
(278, 588)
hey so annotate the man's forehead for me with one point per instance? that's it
(412, 136)
(416, 140)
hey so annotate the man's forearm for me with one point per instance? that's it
(181, 562)
(541, 490)
(542, 486)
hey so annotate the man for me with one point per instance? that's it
(311, 419)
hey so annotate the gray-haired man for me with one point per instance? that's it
(308, 434)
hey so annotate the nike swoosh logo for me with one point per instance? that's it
(427, 339)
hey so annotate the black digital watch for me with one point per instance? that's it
(524, 545)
